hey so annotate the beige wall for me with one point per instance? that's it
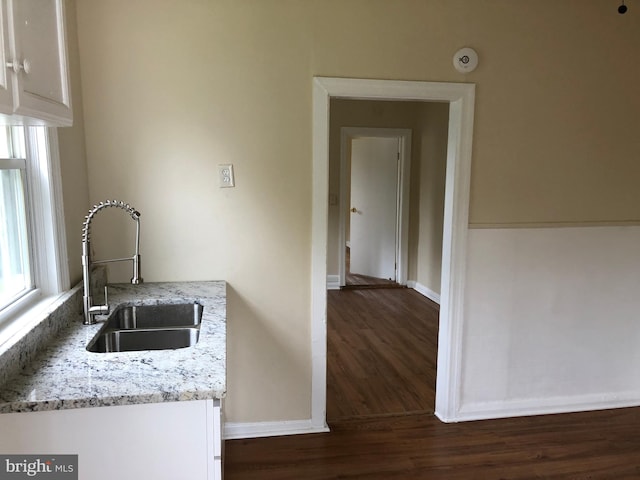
(73, 164)
(173, 88)
(434, 126)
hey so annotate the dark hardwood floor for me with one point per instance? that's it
(381, 353)
(599, 445)
(358, 282)
(381, 373)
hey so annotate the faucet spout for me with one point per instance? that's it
(89, 310)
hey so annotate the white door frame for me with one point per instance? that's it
(461, 97)
(402, 225)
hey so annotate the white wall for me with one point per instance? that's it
(551, 320)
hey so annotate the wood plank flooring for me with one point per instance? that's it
(396, 436)
(596, 446)
(357, 281)
(381, 353)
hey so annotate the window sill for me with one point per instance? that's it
(14, 318)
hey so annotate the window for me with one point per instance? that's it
(15, 265)
(32, 246)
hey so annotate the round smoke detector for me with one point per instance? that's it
(465, 60)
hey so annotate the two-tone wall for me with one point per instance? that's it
(173, 88)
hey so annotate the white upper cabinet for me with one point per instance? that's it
(6, 94)
(34, 85)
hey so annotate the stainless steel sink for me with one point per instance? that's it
(149, 327)
(151, 339)
(155, 316)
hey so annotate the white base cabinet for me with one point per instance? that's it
(172, 440)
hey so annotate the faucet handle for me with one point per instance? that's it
(101, 309)
(104, 309)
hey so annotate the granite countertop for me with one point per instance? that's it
(65, 375)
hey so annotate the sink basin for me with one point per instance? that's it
(155, 316)
(149, 327)
(151, 339)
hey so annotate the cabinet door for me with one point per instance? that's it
(159, 441)
(37, 32)
(6, 94)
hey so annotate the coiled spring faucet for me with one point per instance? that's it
(87, 301)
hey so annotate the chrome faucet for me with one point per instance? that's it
(87, 301)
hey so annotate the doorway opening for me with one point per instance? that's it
(374, 206)
(460, 98)
(382, 342)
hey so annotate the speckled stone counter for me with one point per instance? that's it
(65, 375)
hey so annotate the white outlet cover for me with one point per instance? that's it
(225, 176)
(465, 60)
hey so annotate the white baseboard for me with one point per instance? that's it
(333, 282)
(546, 406)
(427, 292)
(270, 429)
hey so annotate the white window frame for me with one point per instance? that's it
(47, 238)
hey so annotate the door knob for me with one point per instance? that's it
(16, 66)
(354, 210)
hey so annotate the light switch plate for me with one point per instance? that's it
(225, 175)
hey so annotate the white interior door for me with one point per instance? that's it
(374, 206)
